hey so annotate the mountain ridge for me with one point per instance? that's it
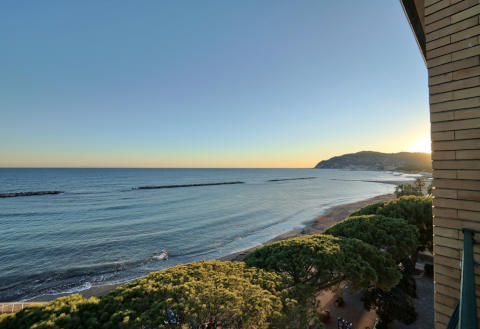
(371, 160)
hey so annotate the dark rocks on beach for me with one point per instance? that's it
(185, 185)
(17, 194)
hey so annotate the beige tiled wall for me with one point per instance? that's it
(453, 60)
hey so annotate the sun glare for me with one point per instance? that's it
(421, 145)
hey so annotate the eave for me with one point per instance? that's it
(414, 10)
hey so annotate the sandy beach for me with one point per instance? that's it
(315, 226)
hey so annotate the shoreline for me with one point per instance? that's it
(317, 225)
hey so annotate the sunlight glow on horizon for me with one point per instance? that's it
(421, 145)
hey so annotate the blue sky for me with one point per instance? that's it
(266, 83)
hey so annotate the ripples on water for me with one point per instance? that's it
(100, 231)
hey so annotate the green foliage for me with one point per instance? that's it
(420, 183)
(370, 209)
(65, 312)
(317, 262)
(393, 235)
(430, 189)
(5, 317)
(407, 189)
(416, 210)
(201, 295)
(416, 188)
(222, 294)
(408, 284)
(391, 305)
(395, 304)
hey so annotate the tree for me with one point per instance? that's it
(420, 183)
(407, 189)
(393, 235)
(416, 188)
(416, 210)
(395, 304)
(210, 294)
(370, 209)
(430, 189)
(207, 294)
(318, 262)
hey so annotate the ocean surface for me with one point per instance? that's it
(103, 231)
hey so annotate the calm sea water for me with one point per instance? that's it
(100, 231)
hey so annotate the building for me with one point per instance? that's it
(448, 35)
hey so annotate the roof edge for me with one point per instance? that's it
(415, 22)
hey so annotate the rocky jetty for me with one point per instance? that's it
(18, 194)
(185, 185)
(368, 160)
(284, 179)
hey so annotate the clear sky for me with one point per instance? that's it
(251, 83)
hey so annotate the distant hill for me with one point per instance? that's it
(368, 160)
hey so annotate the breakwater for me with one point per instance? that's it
(18, 194)
(184, 185)
(285, 179)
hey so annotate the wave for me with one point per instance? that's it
(73, 280)
(85, 286)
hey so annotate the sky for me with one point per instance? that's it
(214, 83)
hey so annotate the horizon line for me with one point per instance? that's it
(157, 167)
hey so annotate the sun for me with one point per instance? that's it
(421, 145)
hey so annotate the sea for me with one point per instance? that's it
(104, 230)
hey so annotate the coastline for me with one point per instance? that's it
(317, 225)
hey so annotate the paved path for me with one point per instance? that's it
(15, 307)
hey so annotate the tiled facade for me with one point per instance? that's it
(452, 33)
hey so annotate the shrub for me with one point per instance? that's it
(393, 235)
(206, 294)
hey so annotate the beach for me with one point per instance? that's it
(315, 226)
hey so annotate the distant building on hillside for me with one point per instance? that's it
(448, 35)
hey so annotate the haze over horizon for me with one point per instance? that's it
(213, 84)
